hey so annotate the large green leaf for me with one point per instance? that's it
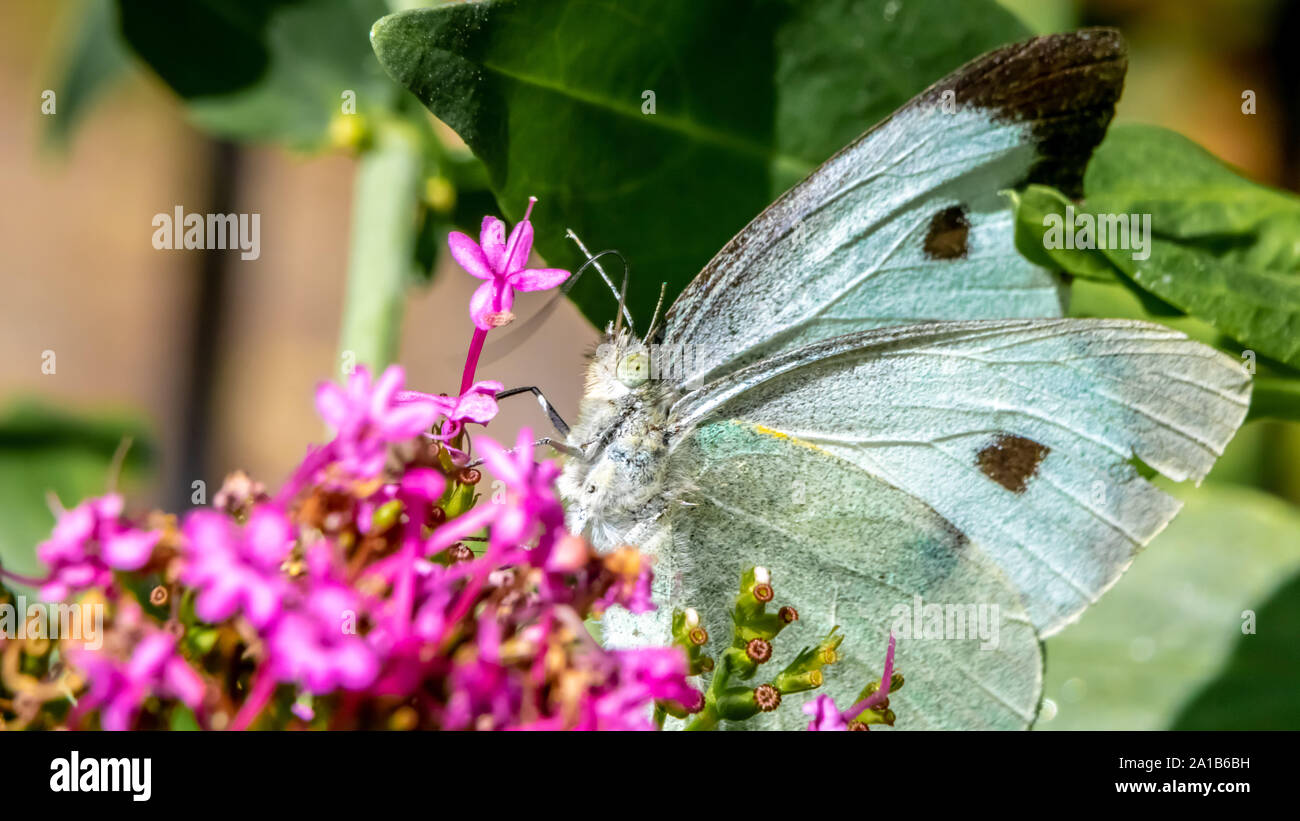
(1171, 630)
(44, 450)
(1259, 308)
(1194, 198)
(1224, 249)
(263, 70)
(748, 97)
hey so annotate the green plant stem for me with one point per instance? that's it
(383, 245)
(709, 718)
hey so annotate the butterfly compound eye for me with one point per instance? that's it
(634, 369)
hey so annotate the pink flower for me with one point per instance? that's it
(501, 263)
(643, 676)
(118, 687)
(531, 499)
(478, 405)
(483, 692)
(368, 417)
(315, 642)
(827, 717)
(90, 541)
(633, 595)
(237, 570)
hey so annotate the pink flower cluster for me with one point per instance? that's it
(375, 589)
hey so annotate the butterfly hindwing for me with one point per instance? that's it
(848, 550)
(907, 223)
(1021, 433)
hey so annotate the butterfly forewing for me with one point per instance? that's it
(908, 223)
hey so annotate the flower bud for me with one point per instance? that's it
(759, 650)
(797, 682)
(739, 703)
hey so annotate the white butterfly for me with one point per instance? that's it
(869, 392)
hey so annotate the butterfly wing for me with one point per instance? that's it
(907, 224)
(1021, 434)
(847, 550)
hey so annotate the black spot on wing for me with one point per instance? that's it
(1065, 85)
(1011, 461)
(946, 238)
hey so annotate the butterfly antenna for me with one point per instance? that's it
(622, 309)
(654, 320)
(592, 260)
(497, 349)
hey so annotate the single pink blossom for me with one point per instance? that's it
(119, 687)
(478, 405)
(88, 543)
(825, 715)
(367, 417)
(501, 263)
(237, 569)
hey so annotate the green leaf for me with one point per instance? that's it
(1226, 249)
(1258, 308)
(93, 59)
(748, 97)
(1194, 198)
(1173, 625)
(1256, 689)
(1034, 207)
(263, 70)
(42, 450)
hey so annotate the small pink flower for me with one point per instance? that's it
(531, 500)
(118, 687)
(237, 570)
(315, 642)
(478, 405)
(88, 543)
(643, 676)
(501, 263)
(368, 417)
(825, 715)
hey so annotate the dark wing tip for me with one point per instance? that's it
(1066, 85)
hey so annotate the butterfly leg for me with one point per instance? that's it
(556, 420)
(567, 450)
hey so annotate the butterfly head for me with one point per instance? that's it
(620, 366)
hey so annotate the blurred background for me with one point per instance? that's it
(211, 360)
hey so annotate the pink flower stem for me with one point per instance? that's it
(882, 693)
(263, 688)
(27, 580)
(471, 360)
(405, 590)
(314, 461)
